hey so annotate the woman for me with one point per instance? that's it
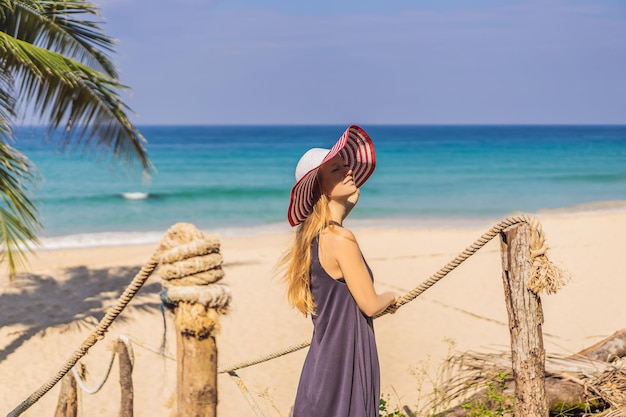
(328, 278)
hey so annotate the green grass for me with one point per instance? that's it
(494, 403)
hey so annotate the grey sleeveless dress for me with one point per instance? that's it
(341, 374)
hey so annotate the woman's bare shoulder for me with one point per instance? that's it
(340, 235)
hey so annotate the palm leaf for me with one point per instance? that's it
(66, 91)
(60, 26)
(18, 215)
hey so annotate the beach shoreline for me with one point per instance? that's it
(48, 311)
(151, 237)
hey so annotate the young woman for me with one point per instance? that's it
(328, 278)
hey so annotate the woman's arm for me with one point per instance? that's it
(349, 258)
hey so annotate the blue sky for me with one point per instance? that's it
(371, 62)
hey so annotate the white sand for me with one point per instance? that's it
(47, 313)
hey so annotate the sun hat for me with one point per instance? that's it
(354, 146)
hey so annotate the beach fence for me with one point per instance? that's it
(189, 264)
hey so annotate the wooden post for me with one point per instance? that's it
(525, 321)
(67, 405)
(191, 268)
(196, 361)
(126, 379)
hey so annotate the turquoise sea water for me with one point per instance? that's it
(237, 178)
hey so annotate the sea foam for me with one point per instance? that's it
(135, 195)
(90, 240)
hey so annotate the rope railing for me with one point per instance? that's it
(546, 276)
(92, 339)
(539, 242)
(82, 384)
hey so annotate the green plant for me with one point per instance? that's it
(494, 402)
(384, 411)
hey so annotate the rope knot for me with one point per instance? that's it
(189, 257)
(190, 265)
(545, 275)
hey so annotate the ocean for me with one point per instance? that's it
(236, 179)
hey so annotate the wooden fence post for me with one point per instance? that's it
(126, 379)
(190, 267)
(67, 406)
(525, 321)
(197, 363)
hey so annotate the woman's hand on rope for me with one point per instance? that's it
(394, 306)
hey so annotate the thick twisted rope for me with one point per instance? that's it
(537, 245)
(463, 256)
(96, 335)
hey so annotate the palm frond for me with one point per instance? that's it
(18, 215)
(70, 93)
(7, 103)
(65, 27)
(5, 7)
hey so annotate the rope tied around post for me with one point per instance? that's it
(545, 274)
(190, 267)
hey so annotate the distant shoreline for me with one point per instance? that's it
(130, 238)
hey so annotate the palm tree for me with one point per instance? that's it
(54, 62)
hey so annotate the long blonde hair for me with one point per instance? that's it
(297, 260)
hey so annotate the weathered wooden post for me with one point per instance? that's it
(190, 267)
(126, 377)
(525, 321)
(67, 406)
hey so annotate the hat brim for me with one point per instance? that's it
(356, 147)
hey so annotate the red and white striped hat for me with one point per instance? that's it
(354, 146)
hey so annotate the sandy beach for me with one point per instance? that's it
(46, 313)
